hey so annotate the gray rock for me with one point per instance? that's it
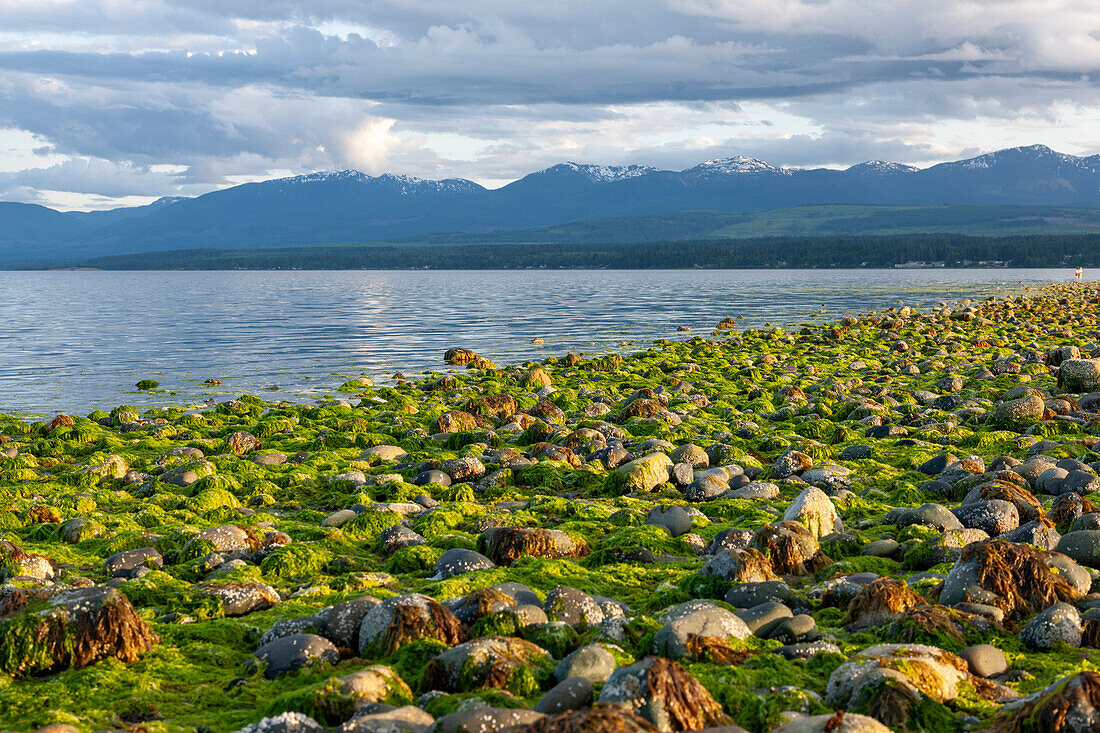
(763, 618)
(705, 488)
(1058, 623)
(459, 560)
(675, 519)
(985, 660)
(432, 476)
(573, 607)
(338, 518)
(795, 629)
(284, 723)
(485, 720)
(1050, 480)
(1081, 482)
(931, 515)
(572, 693)
(855, 453)
(731, 539)
(592, 662)
(343, 623)
(757, 490)
(292, 652)
(748, 595)
(1034, 533)
(706, 620)
(993, 516)
(807, 650)
(122, 564)
(1083, 546)
(406, 719)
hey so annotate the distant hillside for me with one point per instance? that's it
(951, 250)
(802, 221)
(729, 197)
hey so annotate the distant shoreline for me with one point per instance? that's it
(896, 251)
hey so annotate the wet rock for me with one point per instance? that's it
(814, 511)
(458, 560)
(662, 692)
(592, 662)
(699, 630)
(985, 660)
(293, 652)
(673, 518)
(1058, 624)
(573, 607)
(404, 619)
(505, 545)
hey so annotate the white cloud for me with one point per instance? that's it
(149, 97)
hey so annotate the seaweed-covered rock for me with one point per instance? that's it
(918, 670)
(43, 632)
(404, 619)
(505, 545)
(815, 511)
(740, 566)
(1070, 705)
(662, 692)
(700, 632)
(1016, 578)
(499, 662)
(292, 652)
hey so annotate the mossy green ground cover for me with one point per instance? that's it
(63, 495)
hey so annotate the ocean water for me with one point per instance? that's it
(76, 341)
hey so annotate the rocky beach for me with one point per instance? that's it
(885, 522)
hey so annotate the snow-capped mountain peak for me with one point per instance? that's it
(402, 184)
(737, 165)
(882, 167)
(598, 173)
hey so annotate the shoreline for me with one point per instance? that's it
(718, 515)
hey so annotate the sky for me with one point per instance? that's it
(117, 102)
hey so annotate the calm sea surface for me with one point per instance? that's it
(78, 341)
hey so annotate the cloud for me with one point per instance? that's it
(492, 89)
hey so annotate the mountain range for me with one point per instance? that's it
(349, 206)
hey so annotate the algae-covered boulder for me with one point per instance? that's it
(791, 548)
(1019, 579)
(1079, 375)
(599, 718)
(505, 545)
(642, 474)
(114, 467)
(917, 668)
(740, 566)
(664, 693)
(292, 652)
(242, 442)
(815, 511)
(881, 601)
(501, 662)
(1070, 705)
(1019, 412)
(838, 722)
(404, 619)
(240, 598)
(701, 632)
(43, 632)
